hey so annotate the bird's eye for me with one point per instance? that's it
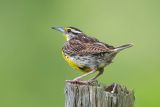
(68, 30)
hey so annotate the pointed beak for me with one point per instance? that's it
(60, 29)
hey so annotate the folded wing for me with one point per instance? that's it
(85, 48)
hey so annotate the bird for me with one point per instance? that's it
(86, 53)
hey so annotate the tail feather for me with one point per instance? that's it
(119, 48)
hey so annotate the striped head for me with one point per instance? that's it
(70, 32)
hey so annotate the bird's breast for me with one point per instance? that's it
(76, 62)
(86, 62)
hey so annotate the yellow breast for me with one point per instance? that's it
(70, 61)
(74, 64)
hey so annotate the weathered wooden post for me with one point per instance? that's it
(115, 95)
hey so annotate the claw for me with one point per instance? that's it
(77, 82)
(88, 82)
(92, 82)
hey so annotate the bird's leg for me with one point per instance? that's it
(78, 79)
(94, 78)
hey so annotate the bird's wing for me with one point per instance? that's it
(85, 48)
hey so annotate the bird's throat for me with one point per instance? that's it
(66, 37)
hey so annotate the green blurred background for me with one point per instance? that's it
(32, 71)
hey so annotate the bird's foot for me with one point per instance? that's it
(87, 82)
(76, 81)
(92, 81)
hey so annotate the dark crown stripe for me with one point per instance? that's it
(75, 29)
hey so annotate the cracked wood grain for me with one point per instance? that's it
(115, 95)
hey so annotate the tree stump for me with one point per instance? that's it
(115, 95)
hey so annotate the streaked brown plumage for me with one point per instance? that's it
(86, 53)
(84, 45)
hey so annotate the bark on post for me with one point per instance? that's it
(115, 95)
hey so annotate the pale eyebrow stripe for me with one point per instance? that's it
(75, 31)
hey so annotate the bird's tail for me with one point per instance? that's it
(119, 48)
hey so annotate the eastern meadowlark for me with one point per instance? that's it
(86, 53)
